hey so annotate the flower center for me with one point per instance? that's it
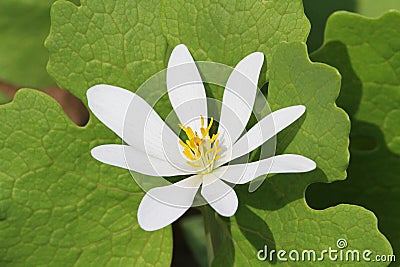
(201, 152)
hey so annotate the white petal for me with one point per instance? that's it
(132, 159)
(185, 87)
(265, 129)
(135, 121)
(219, 195)
(243, 173)
(239, 95)
(110, 104)
(162, 206)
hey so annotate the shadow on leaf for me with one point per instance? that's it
(373, 173)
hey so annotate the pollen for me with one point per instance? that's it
(201, 151)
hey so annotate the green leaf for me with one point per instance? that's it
(372, 8)
(318, 12)
(24, 25)
(368, 56)
(277, 214)
(113, 42)
(225, 31)
(58, 205)
(121, 43)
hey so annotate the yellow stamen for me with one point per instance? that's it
(189, 132)
(208, 162)
(182, 143)
(193, 165)
(203, 132)
(209, 126)
(215, 136)
(188, 154)
(211, 150)
(197, 140)
(216, 144)
(200, 151)
(191, 144)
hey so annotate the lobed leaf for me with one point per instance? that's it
(368, 56)
(58, 205)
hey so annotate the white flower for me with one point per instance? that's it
(154, 149)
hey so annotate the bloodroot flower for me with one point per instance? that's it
(152, 148)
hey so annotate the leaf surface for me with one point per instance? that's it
(121, 43)
(59, 206)
(277, 214)
(225, 31)
(368, 56)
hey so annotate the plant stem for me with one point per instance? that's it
(213, 232)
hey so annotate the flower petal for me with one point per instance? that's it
(239, 95)
(185, 88)
(265, 129)
(132, 159)
(161, 206)
(110, 104)
(135, 121)
(243, 173)
(219, 195)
